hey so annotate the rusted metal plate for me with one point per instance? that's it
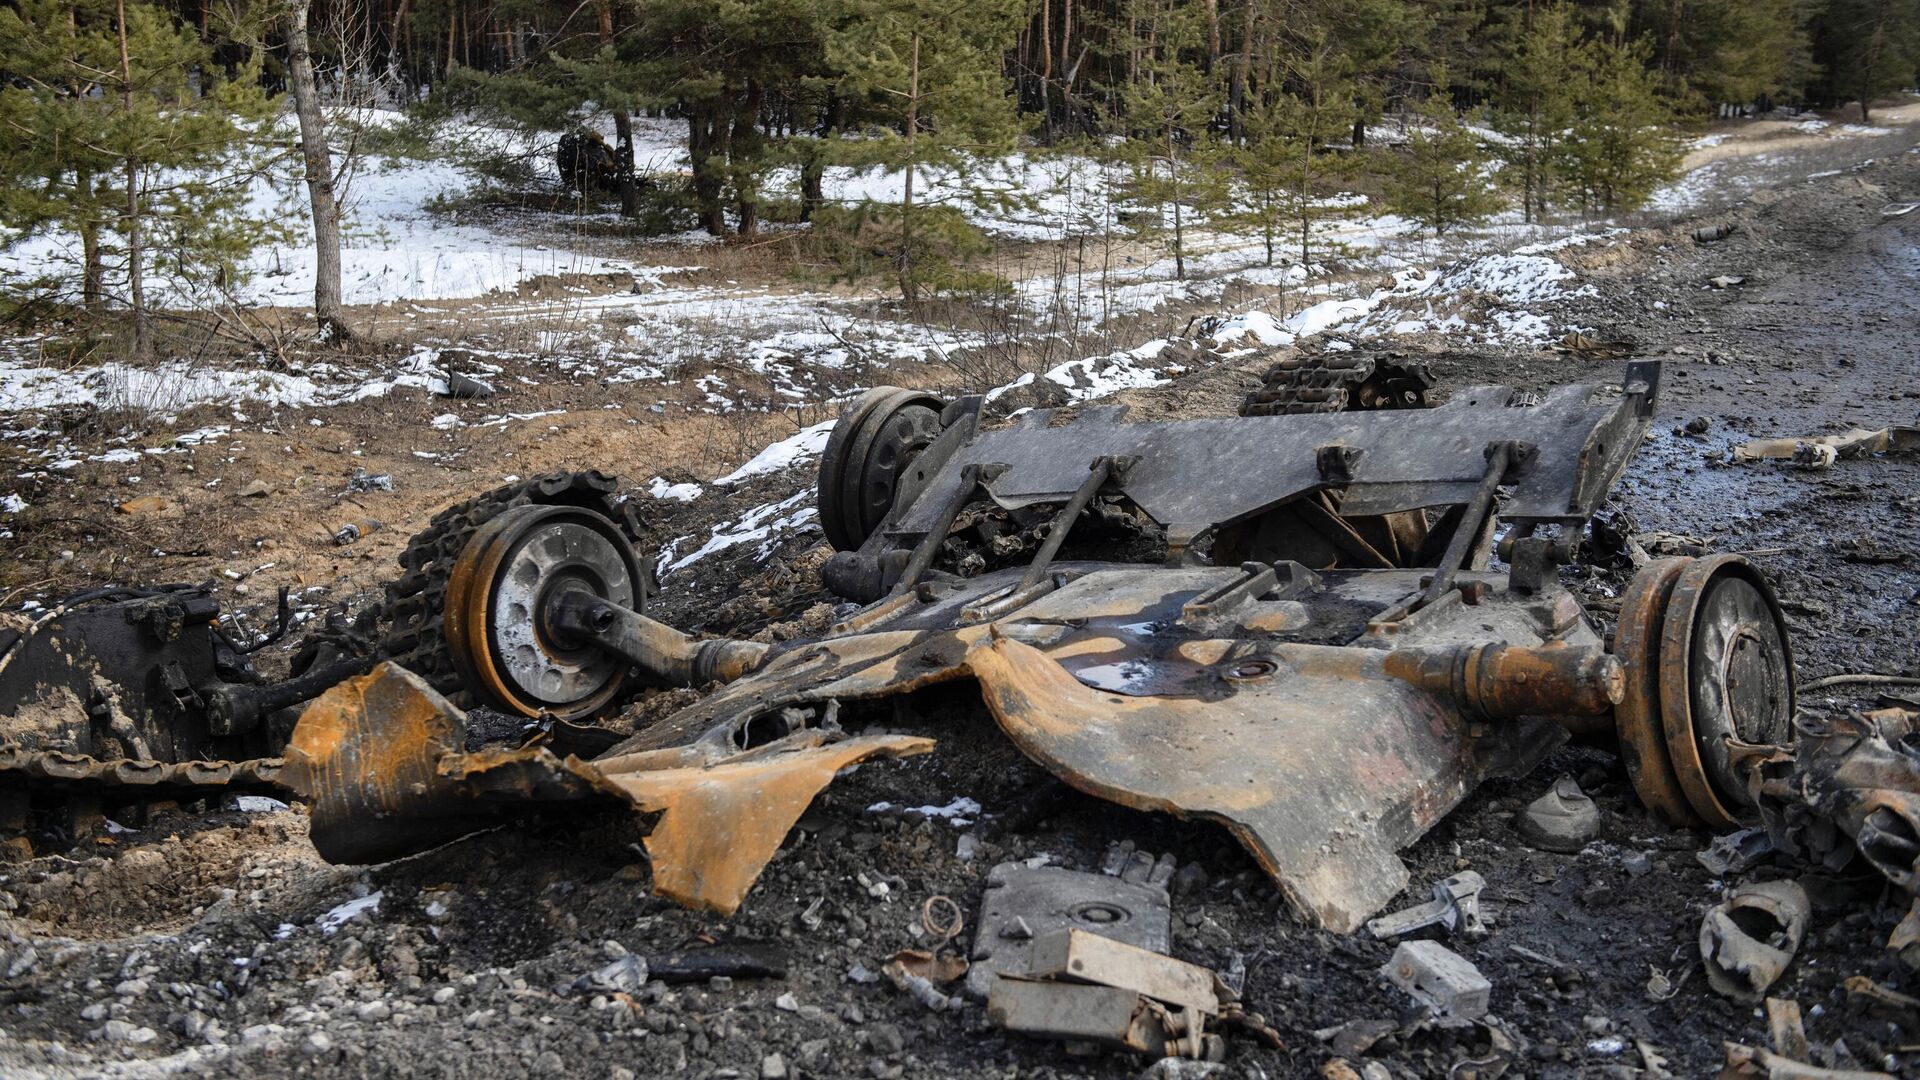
(381, 758)
(720, 824)
(1321, 772)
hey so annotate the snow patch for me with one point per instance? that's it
(660, 489)
(766, 525)
(794, 449)
(331, 922)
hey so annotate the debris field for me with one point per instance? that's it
(1329, 710)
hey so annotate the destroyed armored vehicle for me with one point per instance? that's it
(119, 696)
(586, 163)
(1321, 627)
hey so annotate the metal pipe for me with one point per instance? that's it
(1101, 468)
(236, 710)
(1515, 680)
(924, 551)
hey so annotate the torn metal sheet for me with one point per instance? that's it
(1322, 802)
(381, 759)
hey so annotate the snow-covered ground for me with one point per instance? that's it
(1493, 286)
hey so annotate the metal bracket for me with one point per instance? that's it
(1505, 458)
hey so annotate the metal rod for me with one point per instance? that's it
(924, 551)
(1499, 458)
(236, 710)
(1101, 468)
(659, 649)
(1339, 533)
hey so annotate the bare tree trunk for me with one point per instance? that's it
(741, 149)
(813, 170)
(136, 271)
(622, 131)
(1179, 232)
(1066, 33)
(1237, 103)
(906, 201)
(92, 270)
(320, 194)
(706, 121)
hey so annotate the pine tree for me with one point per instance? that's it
(1874, 47)
(927, 75)
(1620, 146)
(1297, 130)
(1441, 180)
(1535, 104)
(1172, 163)
(1709, 52)
(116, 120)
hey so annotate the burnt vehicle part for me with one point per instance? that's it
(1849, 799)
(123, 696)
(1338, 382)
(587, 164)
(1328, 714)
(437, 611)
(119, 696)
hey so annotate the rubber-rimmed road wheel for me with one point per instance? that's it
(867, 457)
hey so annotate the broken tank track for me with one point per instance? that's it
(415, 635)
(1334, 382)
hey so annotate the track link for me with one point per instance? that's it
(1335, 382)
(44, 769)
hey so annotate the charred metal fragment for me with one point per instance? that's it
(382, 758)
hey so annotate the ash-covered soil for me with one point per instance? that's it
(220, 945)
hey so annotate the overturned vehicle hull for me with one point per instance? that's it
(1344, 622)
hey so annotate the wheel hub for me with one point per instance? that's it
(499, 600)
(1710, 676)
(868, 459)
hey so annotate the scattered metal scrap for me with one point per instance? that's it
(123, 695)
(1748, 939)
(1022, 904)
(1820, 452)
(1084, 987)
(1851, 793)
(1455, 908)
(1440, 979)
(1318, 635)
